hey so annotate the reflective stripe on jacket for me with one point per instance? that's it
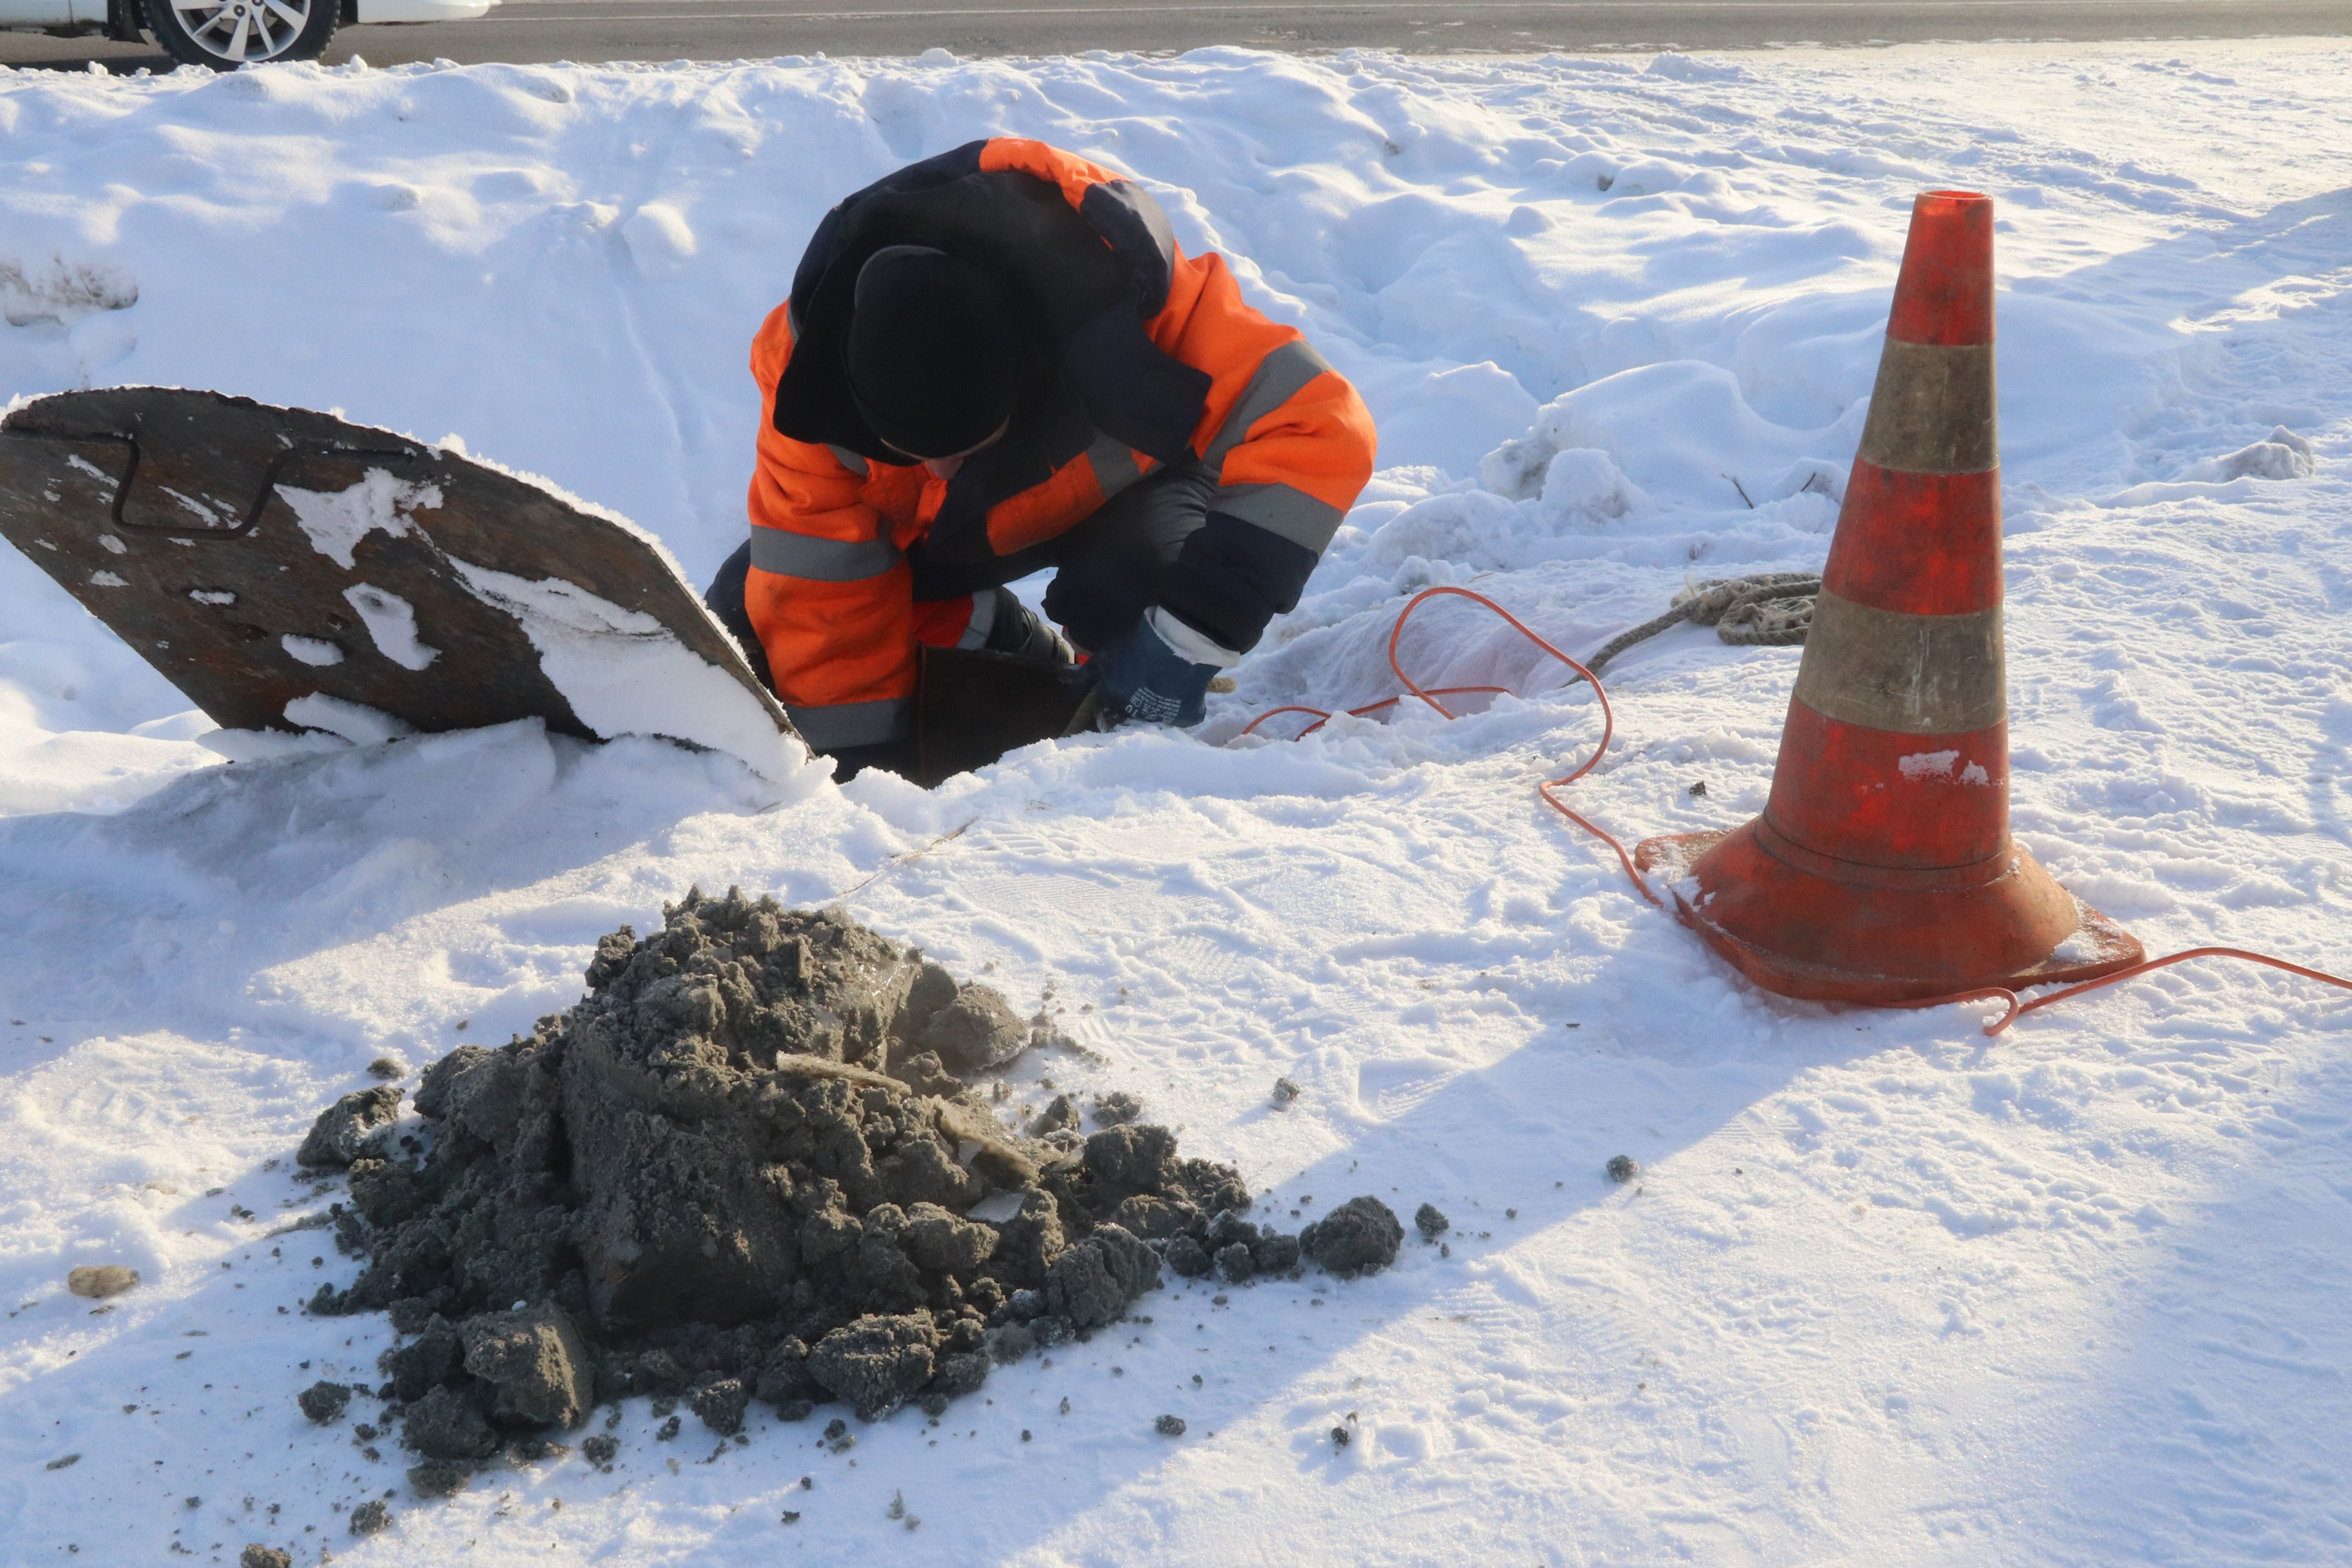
(1135, 337)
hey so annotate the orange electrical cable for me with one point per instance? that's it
(2017, 1007)
(1412, 687)
(1323, 716)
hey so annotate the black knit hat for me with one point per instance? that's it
(934, 356)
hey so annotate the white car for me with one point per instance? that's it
(226, 34)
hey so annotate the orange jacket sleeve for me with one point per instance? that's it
(1289, 441)
(828, 591)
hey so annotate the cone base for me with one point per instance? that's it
(1802, 925)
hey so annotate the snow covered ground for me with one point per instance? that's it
(1887, 1292)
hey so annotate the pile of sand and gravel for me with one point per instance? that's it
(750, 1163)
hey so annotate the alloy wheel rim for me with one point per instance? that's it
(243, 31)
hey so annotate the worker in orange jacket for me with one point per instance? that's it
(997, 361)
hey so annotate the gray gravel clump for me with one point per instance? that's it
(357, 1124)
(1623, 1168)
(1432, 1224)
(960, 1373)
(535, 1361)
(941, 1243)
(1169, 1426)
(741, 1166)
(877, 1364)
(1009, 1343)
(370, 1517)
(977, 1030)
(323, 1401)
(1229, 1227)
(1274, 1254)
(1093, 1280)
(439, 1478)
(259, 1556)
(435, 1357)
(447, 1425)
(1361, 1235)
(721, 1402)
(1188, 1258)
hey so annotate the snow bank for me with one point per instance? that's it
(1886, 1292)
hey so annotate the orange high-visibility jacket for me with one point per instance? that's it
(1146, 357)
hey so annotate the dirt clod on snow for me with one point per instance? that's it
(96, 1282)
(439, 1478)
(1361, 1235)
(743, 1166)
(323, 1401)
(358, 1124)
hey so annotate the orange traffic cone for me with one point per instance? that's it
(1882, 869)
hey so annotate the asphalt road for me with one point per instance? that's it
(527, 30)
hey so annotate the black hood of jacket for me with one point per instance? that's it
(1083, 282)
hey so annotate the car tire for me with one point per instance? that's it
(223, 35)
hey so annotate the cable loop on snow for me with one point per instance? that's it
(1412, 687)
(1772, 609)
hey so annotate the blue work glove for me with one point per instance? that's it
(1139, 678)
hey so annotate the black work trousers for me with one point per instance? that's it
(1108, 569)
